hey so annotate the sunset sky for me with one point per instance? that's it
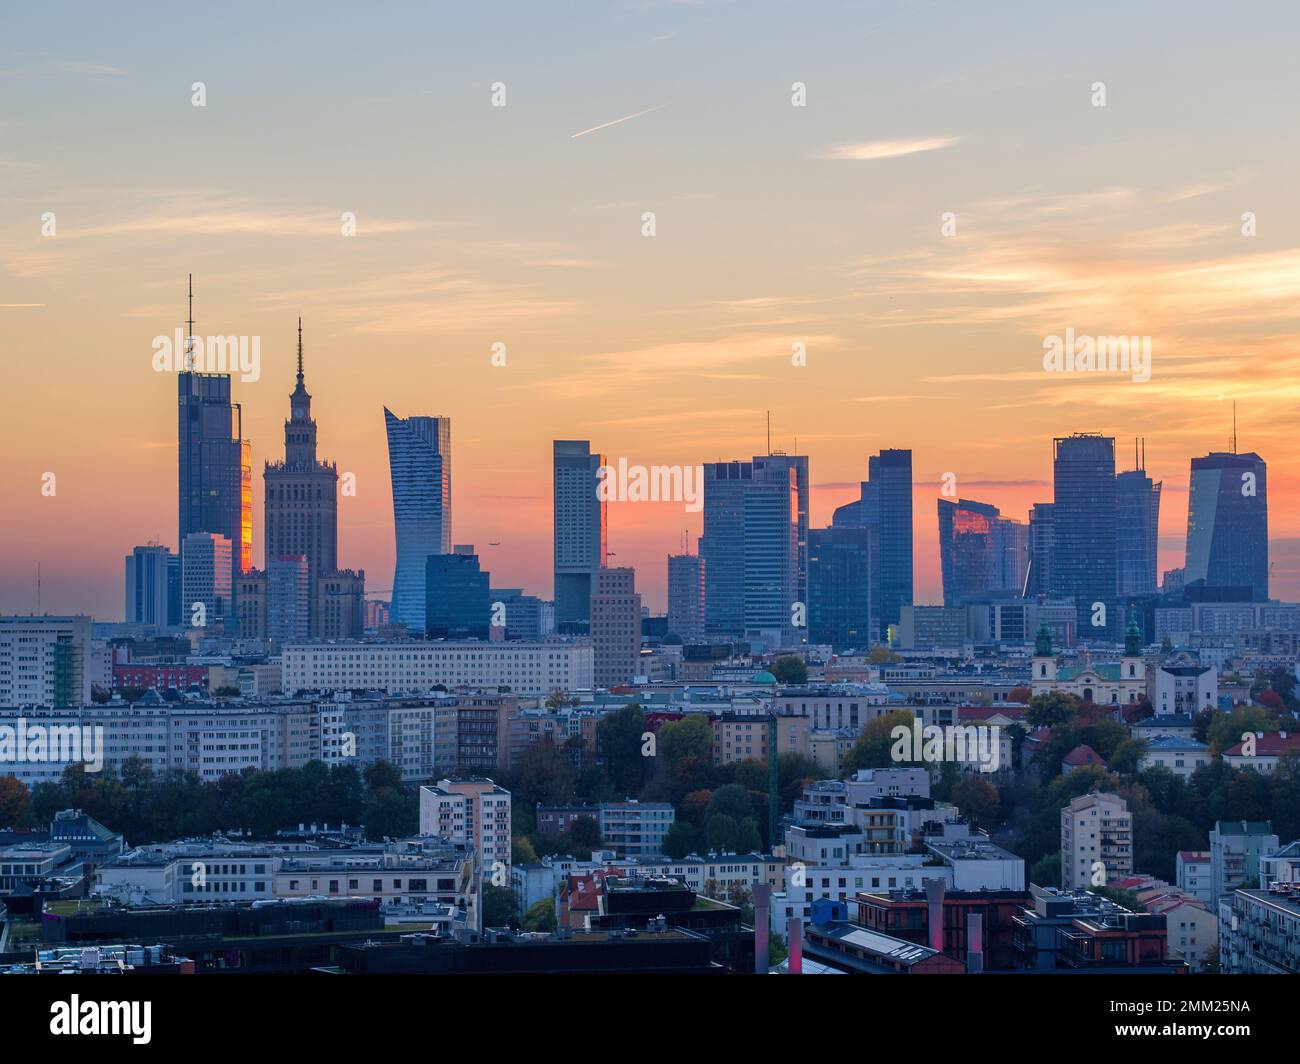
(776, 225)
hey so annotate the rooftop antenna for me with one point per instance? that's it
(300, 349)
(1144, 454)
(38, 588)
(1137, 462)
(189, 338)
(769, 432)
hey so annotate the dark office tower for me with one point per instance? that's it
(839, 588)
(301, 498)
(750, 552)
(1084, 552)
(1042, 540)
(215, 463)
(459, 604)
(580, 528)
(686, 597)
(981, 553)
(1137, 508)
(152, 586)
(886, 505)
(1227, 523)
(799, 463)
(615, 627)
(419, 461)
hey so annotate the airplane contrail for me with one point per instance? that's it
(625, 118)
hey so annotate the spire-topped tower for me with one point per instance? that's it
(301, 513)
(300, 429)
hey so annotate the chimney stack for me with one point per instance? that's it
(794, 936)
(762, 899)
(974, 943)
(934, 889)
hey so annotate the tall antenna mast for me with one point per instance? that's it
(769, 432)
(38, 588)
(189, 338)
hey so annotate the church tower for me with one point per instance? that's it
(1042, 676)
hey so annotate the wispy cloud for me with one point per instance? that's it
(871, 150)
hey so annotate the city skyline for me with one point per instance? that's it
(819, 226)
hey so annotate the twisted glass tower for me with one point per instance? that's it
(419, 461)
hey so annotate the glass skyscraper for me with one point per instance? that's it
(1137, 507)
(886, 505)
(1042, 540)
(750, 551)
(580, 528)
(1227, 523)
(799, 463)
(981, 553)
(459, 600)
(215, 466)
(840, 565)
(1084, 530)
(419, 461)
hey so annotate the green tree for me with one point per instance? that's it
(1047, 871)
(875, 746)
(1126, 757)
(1051, 709)
(790, 668)
(543, 775)
(585, 831)
(540, 916)
(498, 906)
(732, 800)
(977, 799)
(723, 833)
(15, 802)
(1226, 729)
(521, 851)
(619, 739)
(392, 813)
(679, 840)
(690, 737)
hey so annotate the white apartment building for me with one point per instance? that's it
(414, 871)
(1184, 686)
(207, 739)
(1095, 828)
(414, 667)
(474, 811)
(44, 661)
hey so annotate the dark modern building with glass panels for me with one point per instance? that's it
(580, 529)
(981, 553)
(215, 466)
(840, 564)
(1137, 506)
(886, 505)
(1084, 530)
(1227, 523)
(459, 603)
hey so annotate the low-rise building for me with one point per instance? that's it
(1193, 874)
(1235, 849)
(1180, 756)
